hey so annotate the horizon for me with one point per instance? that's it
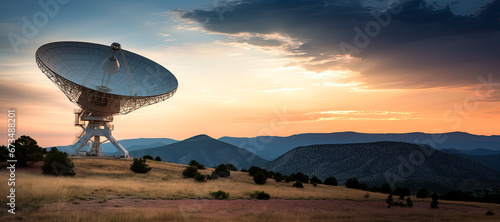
(218, 138)
(268, 68)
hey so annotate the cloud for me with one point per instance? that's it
(413, 44)
(352, 115)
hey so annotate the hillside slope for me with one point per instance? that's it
(372, 163)
(204, 149)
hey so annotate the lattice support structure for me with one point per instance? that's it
(97, 127)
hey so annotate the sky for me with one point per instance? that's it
(268, 67)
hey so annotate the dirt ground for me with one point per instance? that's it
(311, 210)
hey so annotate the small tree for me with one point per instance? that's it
(222, 171)
(385, 188)
(190, 171)
(422, 193)
(389, 201)
(197, 165)
(158, 158)
(220, 195)
(298, 184)
(139, 166)
(316, 180)
(214, 175)
(231, 167)
(409, 203)
(434, 203)
(261, 195)
(301, 177)
(27, 150)
(200, 177)
(58, 163)
(331, 181)
(353, 183)
(147, 157)
(259, 178)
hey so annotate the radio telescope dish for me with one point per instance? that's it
(103, 81)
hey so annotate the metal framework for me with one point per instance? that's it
(67, 63)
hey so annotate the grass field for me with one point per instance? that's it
(106, 190)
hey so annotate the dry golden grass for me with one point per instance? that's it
(99, 179)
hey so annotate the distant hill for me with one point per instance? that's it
(129, 144)
(474, 152)
(488, 158)
(204, 149)
(271, 147)
(371, 162)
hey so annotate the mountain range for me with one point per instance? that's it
(397, 163)
(271, 147)
(465, 161)
(204, 149)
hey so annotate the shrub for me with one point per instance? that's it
(363, 186)
(386, 188)
(214, 175)
(253, 170)
(402, 191)
(222, 171)
(457, 195)
(422, 193)
(231, 167)
(298, 184)
(288, 179)
(200, 177)
(316, 180)
(158, 158)
(259, 178)
(301, 177)
(261, 195)
(220, 195)
(139, 166)
(197, 165)
(244, 170)
(190, 171)
(147, 157)
(434, 203)
(331, 181)
(58, 163)
(353, 183)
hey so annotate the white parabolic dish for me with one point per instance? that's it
(78, 69)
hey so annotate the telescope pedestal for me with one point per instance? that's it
(97, 126)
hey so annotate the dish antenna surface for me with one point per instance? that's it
(103, 81)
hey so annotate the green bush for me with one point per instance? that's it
(259, 178)
(386, 188)
(197, 165)
(231, 167)
(214, 175)
(190, 171)
(261, 195)
(298, 184)
(253, 170)
(331, 181)
(147, 157)
(422, 193)
(139, 166)
(222, 171)
(158, 158)
(353, 183)
(301, 177)
(58, 163)
(316, 180)
(220, 195)
(200, 177)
